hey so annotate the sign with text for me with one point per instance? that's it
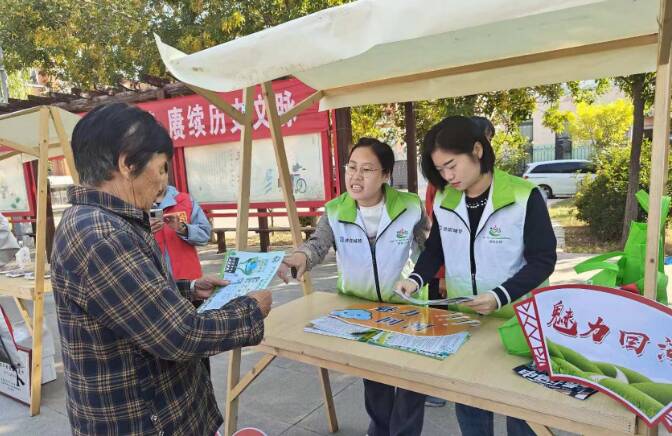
(192, 120)
(213, 171)
(614, 341)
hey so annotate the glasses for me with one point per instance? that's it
(365, 171)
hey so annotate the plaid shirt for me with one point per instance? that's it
(131, 342)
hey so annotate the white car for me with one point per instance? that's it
(558, 177)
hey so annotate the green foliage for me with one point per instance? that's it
(99, 43)
(600, 201)
(648, 89)
(602, 124)
(365, 121)
(16, 84)
(510, 151)
(555, 119)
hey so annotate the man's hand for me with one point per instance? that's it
(264, 300)
(204, 286)
(483, 304)
(155, 224)
(407, 287)
(297, 260)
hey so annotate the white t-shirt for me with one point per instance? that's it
(371, 216)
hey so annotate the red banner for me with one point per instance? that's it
(192, 120)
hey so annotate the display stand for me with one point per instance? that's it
(48, 137)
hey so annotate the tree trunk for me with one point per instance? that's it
(635, 152)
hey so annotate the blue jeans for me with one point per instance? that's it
(477, 422)
(393, 411)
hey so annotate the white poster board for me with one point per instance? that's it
(611, 340)
(13, 193)
(213, 171)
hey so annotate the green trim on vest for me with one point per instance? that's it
(395, 204)
(506, 188)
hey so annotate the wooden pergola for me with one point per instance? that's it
(376, 51)
(36, 134)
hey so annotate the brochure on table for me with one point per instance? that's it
(430, 332)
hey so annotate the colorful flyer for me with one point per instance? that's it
(246, 272)
(611, 340)
(406, 319)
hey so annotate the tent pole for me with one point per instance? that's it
(283, 169)
(233, 377)
(660, 150)
(288, 192)
(40, 261)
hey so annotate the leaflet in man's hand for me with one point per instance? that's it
(246, 272)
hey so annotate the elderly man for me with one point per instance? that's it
(132, 342)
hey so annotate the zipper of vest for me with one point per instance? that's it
(471, 251)
(373, 253)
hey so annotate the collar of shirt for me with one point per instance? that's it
(83, 195)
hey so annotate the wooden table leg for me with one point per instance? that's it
(231, 418)
(540, 430)
(328, 400)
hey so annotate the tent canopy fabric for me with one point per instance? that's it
(376, 51)
(22, 128)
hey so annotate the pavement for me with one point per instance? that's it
(286, 399)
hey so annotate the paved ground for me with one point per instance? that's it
(285, 400)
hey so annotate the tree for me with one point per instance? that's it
(641, 89)
(601, 124)
(97, 44)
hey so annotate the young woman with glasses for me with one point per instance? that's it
(376, 231)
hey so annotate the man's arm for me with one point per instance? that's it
(128, 294)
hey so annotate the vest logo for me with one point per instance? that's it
(401, 237)
(345, 240)
(495, 233)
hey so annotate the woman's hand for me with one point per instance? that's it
(483, 304)
(407, 287)
(297, 260)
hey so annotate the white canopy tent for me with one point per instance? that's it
(378, 51)
(373, 51)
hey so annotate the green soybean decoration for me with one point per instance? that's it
(578, 360)
(634, 376)
(649, 405)
(607, 369)
(662, 392)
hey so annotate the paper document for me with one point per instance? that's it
(433, 346)
(441, 302)
(330, 326)
(246, 272)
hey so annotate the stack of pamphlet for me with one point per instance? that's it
(428, 332)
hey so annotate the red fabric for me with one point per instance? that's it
(184, 260)
(429, 206)
(192, 120)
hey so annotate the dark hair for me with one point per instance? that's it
(382, 151)
(456, 134)
(485, 125)
(109, 131)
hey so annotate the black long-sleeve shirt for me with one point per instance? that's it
(539, 252)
